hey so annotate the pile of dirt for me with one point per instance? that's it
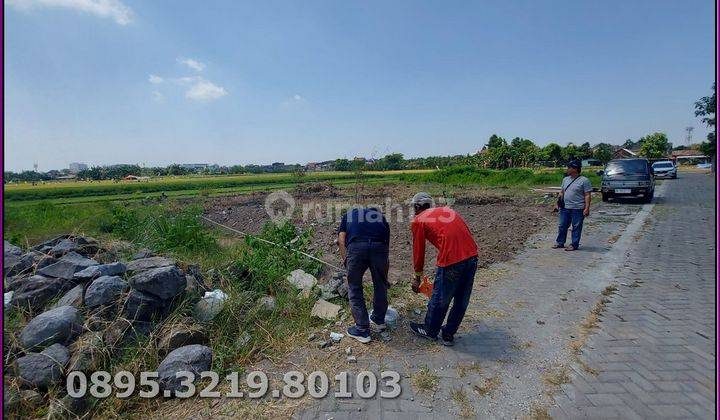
(322, 189)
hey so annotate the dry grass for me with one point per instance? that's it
(538, 412)
(489, 386)
(462, 370)
(425, 380)
(522, 346)
(585, 366)
(609, 290)
(461, 399)
(557, 377)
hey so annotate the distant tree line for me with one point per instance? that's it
(497, 153)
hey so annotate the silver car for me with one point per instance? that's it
(664, 169)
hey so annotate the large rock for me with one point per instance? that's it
(67, 266)
(47, 245)
(59, 325)
(10, 249)
(325, 310)
(63, 247)
(74, 297)
(179, 335)
(79, 244)
(148, 263)
(95, 271)
(87, 353)
(267, 303)
(143, 306)
(143, 253)
(207, 308)
(36, 291)
(14, 265)
(194, 358)
(123, 333)
(329, 289)
(27, 399)
(301, 280)
(104, 290)
(68, 407)
(163, 282)
(40, 370)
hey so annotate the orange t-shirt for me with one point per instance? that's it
(447, 231)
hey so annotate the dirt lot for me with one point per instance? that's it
(499, 220)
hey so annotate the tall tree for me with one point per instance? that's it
(553, 152)
(603, 152)
(496, 141)
(705, 108)
(655, 146)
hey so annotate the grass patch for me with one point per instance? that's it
(557, 377)
(538, 412)
(461, 399)
(462, 370)
(204, 185)
(488, 386)
(425, 380)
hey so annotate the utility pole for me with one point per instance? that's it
(688, 136)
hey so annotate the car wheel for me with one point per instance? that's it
(649, 197)
(605, 197)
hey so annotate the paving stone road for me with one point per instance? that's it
(655, 348)
(652, 354)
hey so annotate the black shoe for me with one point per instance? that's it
(419, 329)
(362, 336)
(447, 340)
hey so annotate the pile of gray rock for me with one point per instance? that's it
(85, 306)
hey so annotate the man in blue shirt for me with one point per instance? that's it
(364, 240)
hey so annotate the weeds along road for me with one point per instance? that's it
(543, 329)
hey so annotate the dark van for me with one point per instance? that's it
(628, 178)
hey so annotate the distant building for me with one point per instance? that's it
(688, 156)
(327, 165)
(76, 167)
(623, 153)
(590, 162)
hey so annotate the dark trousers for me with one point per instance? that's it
(452, 283)
(569, 217)
(363, 255)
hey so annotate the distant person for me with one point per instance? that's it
(456, 266)
(364, 241)
(573, 205)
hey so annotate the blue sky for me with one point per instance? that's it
(157, 82)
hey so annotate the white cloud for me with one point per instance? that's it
(193, 64)
(158, 97)
(113, 9)
(205, 90)
(294, 101)
(155, 79)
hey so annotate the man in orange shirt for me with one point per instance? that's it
(456, 266)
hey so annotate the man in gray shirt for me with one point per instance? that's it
(575, 194)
